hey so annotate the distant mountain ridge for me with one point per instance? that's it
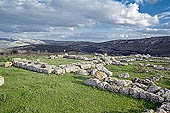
(12, 42)
(156, 46)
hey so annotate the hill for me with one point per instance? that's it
(156, 46)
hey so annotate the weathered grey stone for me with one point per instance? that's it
(93, 72)
(124, 90)
(165, 93)
(142, 81)
(123, 82)
(85, 66)
(161, 111)
(154, 89)
(143, 95)
(105, 70)
(111, 80)
(156, 98)
(103, 85)
(58, 71)
(124, 75)
(150, 96)
(166, 107)
(141, 64)
(149, 111)
(1, 80)
(82, 72)
(92, 82)
(106, 60)
(46, 70)
(71, 68)
(135, 92)
(159, 67)
(142, 86)
(114, 88)
(43, 66)
(149, 65)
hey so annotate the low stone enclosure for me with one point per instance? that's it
(102, 78)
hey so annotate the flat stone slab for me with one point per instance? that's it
(1, 80)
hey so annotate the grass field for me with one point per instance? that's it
(30, 92)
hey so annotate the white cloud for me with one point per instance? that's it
(66, 13)
(164, 15)
(68, 20)
(155, 31)
(146, 1)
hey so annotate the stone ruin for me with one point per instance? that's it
(83, 68)
(55, 56)
(102, 78)
(136, 88)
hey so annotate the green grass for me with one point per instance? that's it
(30, 92)
(165, 83)
(42, 58)
(26, 92)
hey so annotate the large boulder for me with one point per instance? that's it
(47, 70)
(165, 107)
(92, 82)
(142, 86)
(124, 90)
(82, 72)
(156, 98)
(135, 92)
(16, 59)
(114, 88)
(103, 85)
(145, 95)
(123, 82)
(42, 65)
(1, 80)
(52, 57)
(154, 89)
(142, 81)
(99, 75)
(71, 68)
(8, 64)
(124, 75)
(58, 71)
(105, 70)
(85, 66)
(111, 80)
(165, 93)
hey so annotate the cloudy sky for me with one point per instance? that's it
(84, 20)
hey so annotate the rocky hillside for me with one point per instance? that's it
(157, 46)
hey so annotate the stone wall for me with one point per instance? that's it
(136, 88)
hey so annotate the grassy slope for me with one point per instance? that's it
(26, 92)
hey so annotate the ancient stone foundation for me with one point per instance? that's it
(136, 88)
